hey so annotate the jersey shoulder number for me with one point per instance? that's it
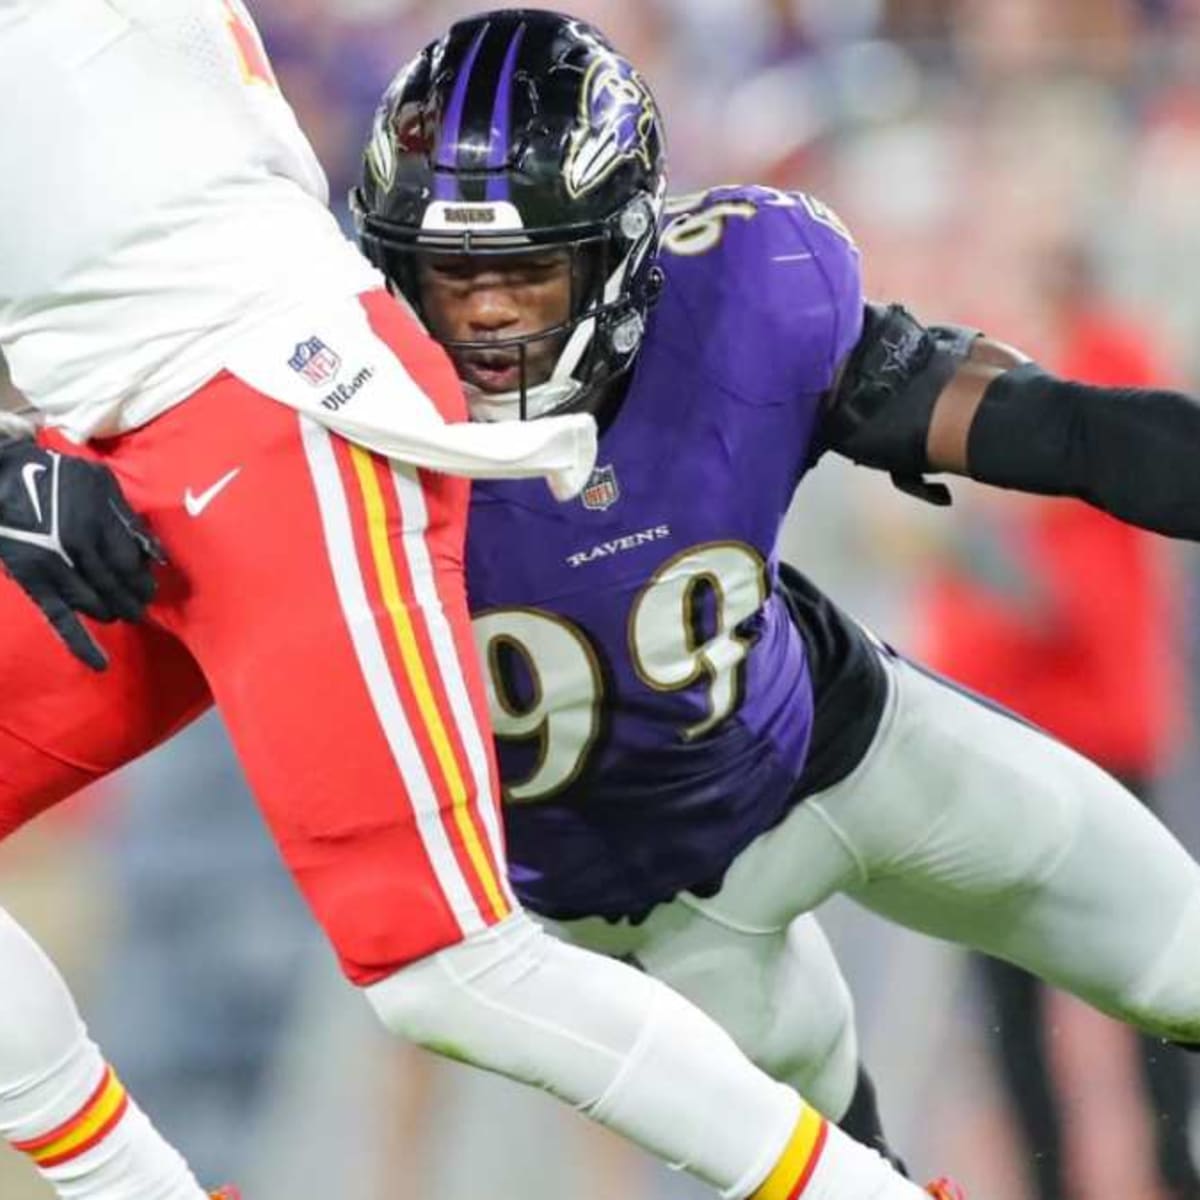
(783, 263)
(697, 223)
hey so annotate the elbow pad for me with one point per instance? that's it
(1128, 451)
(879, 413)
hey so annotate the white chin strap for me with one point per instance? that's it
(561, 388)
(541, 401)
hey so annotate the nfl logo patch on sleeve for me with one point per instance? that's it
(601, 490)
(315, 361)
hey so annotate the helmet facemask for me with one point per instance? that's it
(612, 284)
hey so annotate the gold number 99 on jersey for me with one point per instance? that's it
(561, 710)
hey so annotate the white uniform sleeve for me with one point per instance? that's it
(373, 401)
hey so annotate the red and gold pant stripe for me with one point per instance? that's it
(86, 1129)
(420, 685)
(799, 1160)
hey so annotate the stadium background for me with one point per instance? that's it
(967, 144)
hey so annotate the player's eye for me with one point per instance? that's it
(534, 271)
(451, 269)
(464, 271)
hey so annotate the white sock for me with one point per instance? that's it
(820, 1162)
(61, 1104)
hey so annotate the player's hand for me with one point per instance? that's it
(68, 537)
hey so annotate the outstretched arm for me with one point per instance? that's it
(913, 400)
(1129, 451)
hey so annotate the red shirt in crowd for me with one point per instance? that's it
(1091, 649)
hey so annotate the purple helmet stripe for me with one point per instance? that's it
(497, 189)
(445, 186)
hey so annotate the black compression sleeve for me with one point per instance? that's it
(1129, 451)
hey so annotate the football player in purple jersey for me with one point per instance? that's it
(697, 746)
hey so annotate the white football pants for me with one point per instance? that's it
(961, 822)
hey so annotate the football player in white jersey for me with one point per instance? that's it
(200, 346)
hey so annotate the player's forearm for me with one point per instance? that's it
(956, 404)
(1131, 452)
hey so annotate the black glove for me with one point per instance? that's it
(70, 540)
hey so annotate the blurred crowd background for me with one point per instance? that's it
(1029, 166)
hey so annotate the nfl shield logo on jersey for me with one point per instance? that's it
(315, 361)
(601, 490)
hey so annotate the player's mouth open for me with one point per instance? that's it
(495, 371)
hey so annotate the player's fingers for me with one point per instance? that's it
(136, 528)
(113, 592)
(76, 591)
(73, 632)
(127, 562)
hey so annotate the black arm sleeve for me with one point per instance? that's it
(879, 413)
(1132, 452)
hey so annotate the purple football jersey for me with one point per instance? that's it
(650, 694)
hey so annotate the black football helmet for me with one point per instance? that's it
(520, 130)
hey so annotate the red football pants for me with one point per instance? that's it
(316, 592)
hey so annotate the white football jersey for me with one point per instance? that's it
(157, 201)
